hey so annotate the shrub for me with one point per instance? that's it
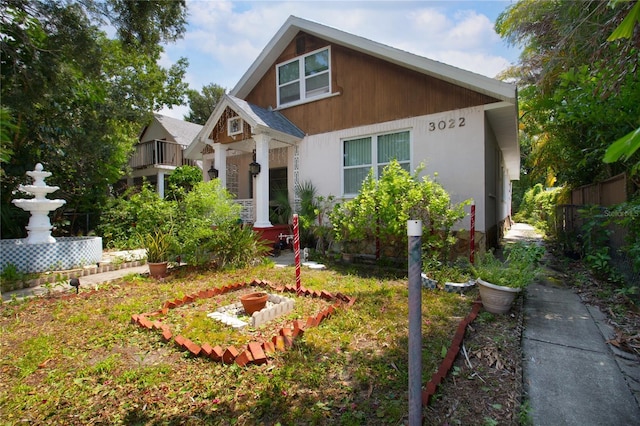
(538, 207)
(203, 225)
(137, 211)
(206, 207)
(382, 208)
(181, 181)
(313, 217)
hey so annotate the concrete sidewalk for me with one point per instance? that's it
(571, 375)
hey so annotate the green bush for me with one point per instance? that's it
(137, 211)
(203, 225)
(538, 208)
(206, 207)
(313, 217)
(181, 181)
(382, 208)
(519, 270)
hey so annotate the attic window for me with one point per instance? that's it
(304, 77)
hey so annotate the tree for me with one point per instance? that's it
(626, 146)
(182, 180)
(579, 92)
(78, 98)
(202, 105)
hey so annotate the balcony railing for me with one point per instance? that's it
(159, 152)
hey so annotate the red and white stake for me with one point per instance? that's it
(296, 249)
(472, 234)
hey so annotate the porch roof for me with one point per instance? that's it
(261, 120)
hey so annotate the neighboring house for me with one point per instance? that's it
(160, 149)
(326, 106)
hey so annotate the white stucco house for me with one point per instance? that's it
(325, 106)
(160, 150)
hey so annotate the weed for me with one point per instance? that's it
(524, 414)
(488, 421)
(35, 351)
(485, 317)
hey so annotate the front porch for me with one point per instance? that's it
(250, 149)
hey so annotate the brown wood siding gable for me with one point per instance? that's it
(370, 90)
(219, 132)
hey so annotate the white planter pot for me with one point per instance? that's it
(496, 299)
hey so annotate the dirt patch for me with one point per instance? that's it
(485, 384)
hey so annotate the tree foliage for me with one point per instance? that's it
(579, 91)
(181, 181)
(77, 98)
(201, 105)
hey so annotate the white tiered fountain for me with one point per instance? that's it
(39, 227)
(40, 252)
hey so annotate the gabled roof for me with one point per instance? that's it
(476, 82)
(502, 115)
(261, 120)
(182, 131)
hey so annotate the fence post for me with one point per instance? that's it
(414, 232)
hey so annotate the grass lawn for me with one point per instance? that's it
(81, 360)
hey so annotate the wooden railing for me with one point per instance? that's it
(159, 152)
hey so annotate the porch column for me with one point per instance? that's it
(160, 184)
(220, 162)
(261, 198)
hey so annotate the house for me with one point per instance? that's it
(325, 106)
(160, 150)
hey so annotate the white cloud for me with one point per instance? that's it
(178, 112)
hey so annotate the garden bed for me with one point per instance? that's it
(186, 320)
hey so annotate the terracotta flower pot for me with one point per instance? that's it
(495, 298)
(254, 302)
(158, 270)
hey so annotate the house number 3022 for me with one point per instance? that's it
(451, 123)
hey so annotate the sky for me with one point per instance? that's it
(223, 38)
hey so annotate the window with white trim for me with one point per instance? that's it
(304, 77)
(377, 151)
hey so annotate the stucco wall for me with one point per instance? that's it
(450, 144)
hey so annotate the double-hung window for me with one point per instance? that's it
(304, 77)
(373, 152)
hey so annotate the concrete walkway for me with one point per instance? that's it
(571, 375)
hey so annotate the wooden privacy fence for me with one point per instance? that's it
(606, 193)
(601, 197)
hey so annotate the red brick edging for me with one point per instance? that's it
(452, 353)
(254, 353)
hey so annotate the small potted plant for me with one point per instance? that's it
(158, 245)
(500, 282)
